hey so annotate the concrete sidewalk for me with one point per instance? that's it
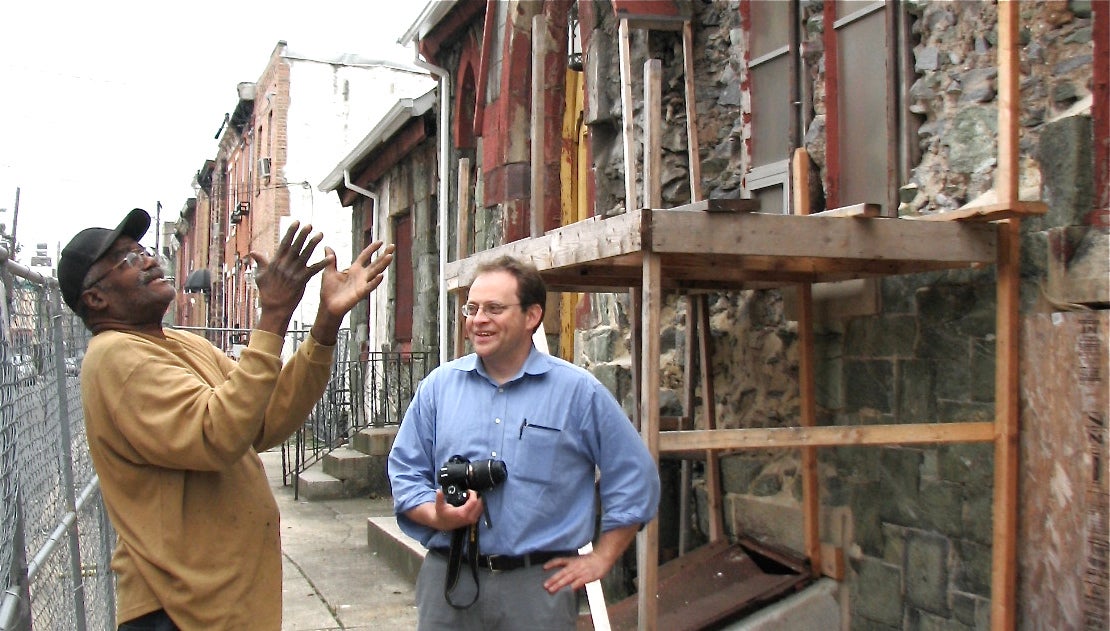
(331, 578)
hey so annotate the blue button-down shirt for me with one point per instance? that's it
(552, 424)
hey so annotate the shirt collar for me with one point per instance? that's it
(537, 363)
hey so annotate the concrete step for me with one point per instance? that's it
(374, 441)
(314, 484)
(361, 474)
(401, 552)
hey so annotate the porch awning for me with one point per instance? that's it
(198, 280)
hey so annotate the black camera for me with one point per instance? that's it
(458, 475)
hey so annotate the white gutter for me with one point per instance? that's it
(358, 189)
(444, 188)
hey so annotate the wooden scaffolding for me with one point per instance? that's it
(720, 245)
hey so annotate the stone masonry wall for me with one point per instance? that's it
(915, 522)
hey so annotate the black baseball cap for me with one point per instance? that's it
(88, 246)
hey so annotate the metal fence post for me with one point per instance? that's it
(67, 466)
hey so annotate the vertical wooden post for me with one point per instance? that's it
(653, 157)
(1003, 544)
(628, 114)
(811, 504)
(462, 247)
(539, 51)
(647, 548)
(462, 241)
(687, 415)
(712, 465)
(691, 112)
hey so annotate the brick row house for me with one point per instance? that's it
(888, 112)
(280, 139)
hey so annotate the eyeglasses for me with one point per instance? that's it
(471, 309)
(133, 258)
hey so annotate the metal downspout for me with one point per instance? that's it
(444, 189)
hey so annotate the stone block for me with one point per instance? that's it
(775, 520)
(942, 507)
(1065, 156)
(972, 570)
(314, 485)
(374, 441)
(868, 384)
(877, 594)
(1078, 265)
(739, 471)
(926, 572)
(916, 392)
(347, 464)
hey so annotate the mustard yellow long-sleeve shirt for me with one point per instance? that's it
(174, 429)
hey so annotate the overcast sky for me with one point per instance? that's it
(113, 105)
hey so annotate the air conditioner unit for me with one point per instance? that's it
(264, 167)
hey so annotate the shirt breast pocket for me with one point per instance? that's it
(538, 453)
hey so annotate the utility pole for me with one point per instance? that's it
(15, 224)
(158, 227)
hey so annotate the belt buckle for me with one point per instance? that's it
(489, 563)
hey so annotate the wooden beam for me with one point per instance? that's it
(647, 549)
(779, 237)
(539, 52)
(987, 212)
(692, 147)
(628, 109)
(811, 502)
(712, 464)
(462, 246)
(1006, 447)
(827, 436)
(653, 126)
(855, 210)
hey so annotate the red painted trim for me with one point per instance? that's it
(483, 66)
(646, 8)
(398, 147)
(448, 28)
(1100, 114)
(832, 108)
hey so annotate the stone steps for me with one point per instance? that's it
(358, 469)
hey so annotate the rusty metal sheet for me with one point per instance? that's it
(713, 584)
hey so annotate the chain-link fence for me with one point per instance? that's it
(55, 538)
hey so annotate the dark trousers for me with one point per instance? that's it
(153, 621)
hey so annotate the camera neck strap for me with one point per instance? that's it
(460, 538)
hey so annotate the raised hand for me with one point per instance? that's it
(341, 290)
(281, 282)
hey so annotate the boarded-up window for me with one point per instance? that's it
(402, 268)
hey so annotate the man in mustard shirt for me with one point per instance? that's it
(175, 426)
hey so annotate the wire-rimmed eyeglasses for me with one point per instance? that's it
(471, 309)
(133, 258)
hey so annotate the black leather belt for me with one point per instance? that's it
(504, 563)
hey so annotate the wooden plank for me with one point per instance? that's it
(987, 212)
(688, 398)
(833, 564)
(722, 205)
(628, 128)
(713, 491)
(827, 436)
(539, 51)
(692, 146)
(1006, 448)
(786, 236)
(855, 210)
(462, 244)
(653, 22)
(811, 507)
(653, 156)
(647, 549)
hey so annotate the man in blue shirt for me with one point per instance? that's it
(557, 429)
